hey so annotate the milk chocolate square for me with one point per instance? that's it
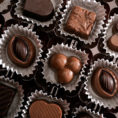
(80, 22)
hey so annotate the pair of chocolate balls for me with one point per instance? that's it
(66, 67)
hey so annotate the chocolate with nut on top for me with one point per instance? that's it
(21, 51)
(80, 22)
(41, 10)
(104, 82)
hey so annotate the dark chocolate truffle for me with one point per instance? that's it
(80, 22)
(65, 75)
(41, 10)
(84, 115)
(7, 95)
(74, 64)
(58, 61)
(1, 1)
(21, 51)
(113, 43)
(42, 109)
(104, 82)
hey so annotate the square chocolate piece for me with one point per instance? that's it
(7, 95)
(80, 22)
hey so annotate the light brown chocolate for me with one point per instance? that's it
(80, 22)
(43, 109)
(113, 42)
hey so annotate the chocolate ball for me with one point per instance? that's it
(65, 75)
(43, 109)
(84, 115)
(58, 61)
(74, 64)
(113, 42)
(21, 51)
(104, 82)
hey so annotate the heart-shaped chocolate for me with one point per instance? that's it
(43, 109)
(41, 10)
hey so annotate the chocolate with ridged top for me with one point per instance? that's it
(41, 10)
(6, 97)
(21, 51)
(104, 82)
(43, 109)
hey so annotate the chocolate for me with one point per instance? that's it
(104, 82)
(58, 61)
(65, 67)
(45, 110)
(74, 64)
(84, 115)
(1, 1)
(113, 43)
(80, 22)
(7, 95)
(21, 51)
(65, 76)
(41, 10)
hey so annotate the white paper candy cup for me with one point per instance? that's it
(89, 111)
(106, 103)
(108, 33)
(91, 5)
(39, 95)
(4, 59)
(19, 13)
(49, 73)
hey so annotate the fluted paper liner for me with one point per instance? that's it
(4, 59)
(91, 5)
(19, 13)
(40, 95)
(16, 105)
(89, 111)
(4, 5)
(108, 33)
(106, 103)
(49, 73)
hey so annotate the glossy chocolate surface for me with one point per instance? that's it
(66, 67)
(6, 98)
(113, 42)
(41, 10)
(80, 22)
(84, 115)
(104, 82)
(21, 51)
(45, 110)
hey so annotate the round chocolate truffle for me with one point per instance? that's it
(65, 75)
(113, 42)
(43, 109)
(58, 61)
(74, 64)
(84, 115)
(104, 82)
(21, 51)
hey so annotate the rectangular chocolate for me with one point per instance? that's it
(80, 22)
